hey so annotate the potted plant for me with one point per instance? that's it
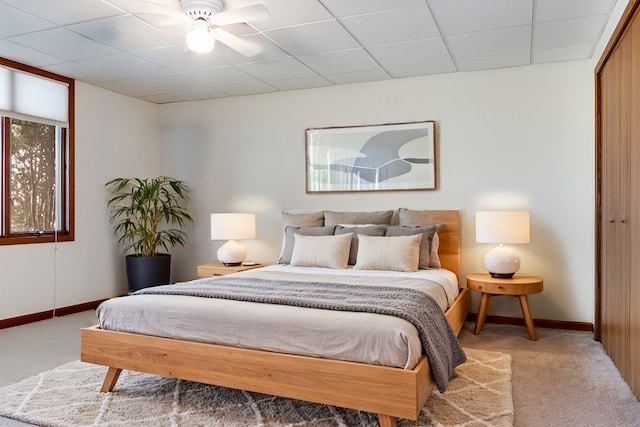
(148, 215)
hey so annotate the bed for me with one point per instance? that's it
(389, 392)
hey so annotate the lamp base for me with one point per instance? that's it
(502, 262)
(231, 253)
(502, 275)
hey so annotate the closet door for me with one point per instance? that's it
(634, 208)
(615, 256)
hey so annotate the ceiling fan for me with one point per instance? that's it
(204, 20)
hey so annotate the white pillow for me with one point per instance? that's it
(397, 253)
(321, 251)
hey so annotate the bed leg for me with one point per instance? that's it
(110, 379)
(386, 421)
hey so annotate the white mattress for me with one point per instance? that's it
(360, 337)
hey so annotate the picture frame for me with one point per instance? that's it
(384, 157)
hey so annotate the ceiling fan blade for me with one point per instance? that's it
(242, 46)
(254, 12)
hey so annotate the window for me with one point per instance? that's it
(37, 153)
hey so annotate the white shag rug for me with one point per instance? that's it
(69, 396)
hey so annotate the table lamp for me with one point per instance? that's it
(232, 227)
(502, 227)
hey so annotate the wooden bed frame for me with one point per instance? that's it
(385, 391)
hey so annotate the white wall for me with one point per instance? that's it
(115, 136)
(516, 138)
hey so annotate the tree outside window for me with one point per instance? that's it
(32, 177)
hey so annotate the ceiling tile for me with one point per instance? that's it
(392, 26)
(568, 32)
(26, 55)
(342, 8)
(278, 69)
(64, 12)
(562, 54)
(249, 89)
(413, 52)
(285, 13)
(123, 65)
(179, 58)
(312, 38)
(64, 44)
(409, 59)
(221, 77)
(80, 72)
(163, 98)
(490, 43)
(301, 83)
(551, 10)
(496, 61)
(128, 88)
(207, 93)
(343, 61)
(466, 16)
(125, 33)
(14, 21)
(423, 69)
(169, 83)
(358, 77)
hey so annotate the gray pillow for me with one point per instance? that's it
(369, 230)
(377, 217)
(426, 245)
(303, 219)
(290, 240)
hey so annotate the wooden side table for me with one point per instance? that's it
(219, 269)
(519, 285)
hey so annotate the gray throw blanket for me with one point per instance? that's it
(438, 340)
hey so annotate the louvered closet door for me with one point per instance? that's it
(634, 210)
(615, 255)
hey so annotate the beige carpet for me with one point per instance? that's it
(69, 396)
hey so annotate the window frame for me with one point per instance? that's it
(66, 223)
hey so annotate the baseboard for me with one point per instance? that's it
(48, 314)
(538, 323)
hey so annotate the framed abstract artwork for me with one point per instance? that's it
(386, 157)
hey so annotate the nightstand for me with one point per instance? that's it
(219, 269)
(519, 285)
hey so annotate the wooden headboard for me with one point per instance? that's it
(449, 234)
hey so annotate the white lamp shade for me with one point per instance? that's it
(233, 226)
(502, 227)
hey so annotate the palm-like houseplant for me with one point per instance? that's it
(148, 214)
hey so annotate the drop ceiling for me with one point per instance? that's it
(120, 46)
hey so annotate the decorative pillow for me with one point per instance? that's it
(413, 217)
(400, 253)
(434, 262)
(321, 251)
(377, 217)
(304, 219)
(426, 246)
(289, 239)
(369, 230)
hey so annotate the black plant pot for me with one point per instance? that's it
(143, 272)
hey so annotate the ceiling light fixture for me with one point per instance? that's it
(200, 39)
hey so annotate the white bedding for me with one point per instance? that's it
(361, 337)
